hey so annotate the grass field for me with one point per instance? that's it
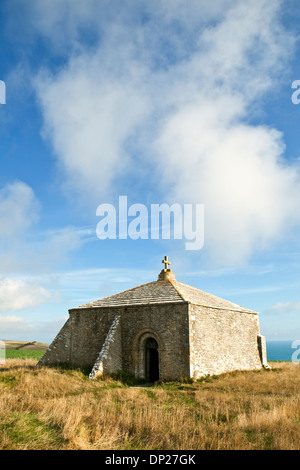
(23, 354)
(49, 408)
(24, 350)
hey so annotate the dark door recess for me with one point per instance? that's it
(152, 360)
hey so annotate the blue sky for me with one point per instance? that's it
(164, 102)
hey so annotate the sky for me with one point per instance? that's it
(164, 102)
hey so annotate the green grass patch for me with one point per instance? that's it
(23, 354)
(27, 430)
(127, 379)
(8, 380)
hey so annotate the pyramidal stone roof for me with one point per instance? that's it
(165, 290)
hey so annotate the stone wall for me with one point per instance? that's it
(110, 358)
(222, 340)
(89, 329)
(192, 340)
(81, 339)
(168, 324)
(60, 348)
(262, 347)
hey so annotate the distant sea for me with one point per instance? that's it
(280, 350)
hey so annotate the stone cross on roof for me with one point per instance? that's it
(167, 273)
(166, 262)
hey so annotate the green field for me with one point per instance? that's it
(24, 349)
(23, 354)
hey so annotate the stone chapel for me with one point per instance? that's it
(162, 330)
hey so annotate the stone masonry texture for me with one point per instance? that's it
(196, 333)
(110, 357)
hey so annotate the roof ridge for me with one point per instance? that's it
(231, 305)
(176, 288)
(165, 291)
(127, 290)
(118, 295)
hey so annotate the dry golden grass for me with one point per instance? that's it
(60, 409)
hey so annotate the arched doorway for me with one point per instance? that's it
(151, 360)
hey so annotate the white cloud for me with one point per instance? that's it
(10, 321)
(90, 115)
(18, 210)
(46, 17)
(176, 93)
(19, 329)
(22, 246)
(281, 321)
(42, 251)
(283, 308)
(250, 194)
(53, 248)
(17, 295)
(211, 154)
